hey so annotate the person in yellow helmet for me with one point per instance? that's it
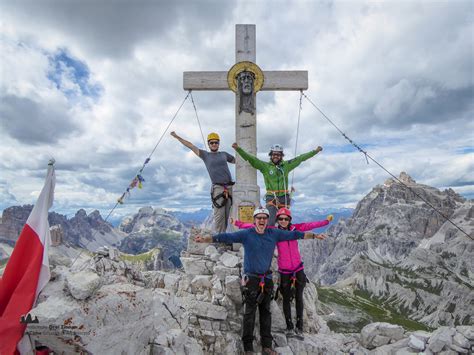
(217, 166)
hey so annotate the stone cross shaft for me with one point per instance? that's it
(246, 193)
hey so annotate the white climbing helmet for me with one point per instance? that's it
(261, 211)
(276, 148)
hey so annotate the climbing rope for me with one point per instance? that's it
(367, 157)
(296, 141)
(138, 179)
(197, 118)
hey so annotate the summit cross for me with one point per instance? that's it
(245, 78)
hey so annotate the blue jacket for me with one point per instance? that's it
(258, 247)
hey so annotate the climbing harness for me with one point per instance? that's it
(244, 280)
(276, 203)
(293, 279)
(225, 195)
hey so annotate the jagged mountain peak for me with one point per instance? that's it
(401, 207)
(397, 247)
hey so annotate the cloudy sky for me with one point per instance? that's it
(95, 84)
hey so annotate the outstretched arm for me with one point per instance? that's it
(311, 235)
(293, 235)
(236, 237)
(254, 161)
(303, 227)
(240, 224)
(293, 163)
(186, 143)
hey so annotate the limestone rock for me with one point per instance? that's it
(461, 341)
(229, 260)
(203, 309)
(201, 283)
(232, 289)
(82, 284)
(222, 272)
(377, 334)
(197, 266)
(416, 343)
(442, 338)
(210, 250)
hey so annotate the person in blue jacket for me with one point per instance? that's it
(259, 243)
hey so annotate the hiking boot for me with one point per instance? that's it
(299, 333)
(268, 351)
(290, 333)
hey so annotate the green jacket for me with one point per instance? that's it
(275, 176)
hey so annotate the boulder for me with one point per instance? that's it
(222, 271)
(442, 338)
(196, 266)
(377, 334)
(83, 284)
(232, 289)
(201, 283)
(202, 309)
(416, 343)
(461, 341)
(229, 260)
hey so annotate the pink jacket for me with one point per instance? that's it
(289, 258)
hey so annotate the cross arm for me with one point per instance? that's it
(274, 80)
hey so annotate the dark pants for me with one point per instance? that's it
(251, 293)
(288, 292)
(272, 206)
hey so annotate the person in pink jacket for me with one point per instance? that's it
(290, 266)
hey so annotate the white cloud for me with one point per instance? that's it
(397, 77)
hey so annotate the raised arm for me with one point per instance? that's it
(236, 237)
(293, 163)
(230, 158)
(240, 224)
(254, 161)
(293, 235)
(186, 143)
(303, 227)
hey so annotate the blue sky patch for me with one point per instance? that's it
(465, 150)
(72, 77)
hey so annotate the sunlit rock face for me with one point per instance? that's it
(396, 247)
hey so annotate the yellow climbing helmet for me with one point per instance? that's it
(213, 136)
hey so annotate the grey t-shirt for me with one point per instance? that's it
(216, 164)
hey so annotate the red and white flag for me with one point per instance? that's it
(27, 271)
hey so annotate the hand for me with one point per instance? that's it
(235, 145)
(319, 236)
(330, 217)
(318, 149)
(174, 134)
(201, 239)
(232, 221)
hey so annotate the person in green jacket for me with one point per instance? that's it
(275, 173)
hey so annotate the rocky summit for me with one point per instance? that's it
(394, 278)
(105, 305)
(396, 255)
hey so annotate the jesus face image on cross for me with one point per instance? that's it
(246, 79)
(245, 82)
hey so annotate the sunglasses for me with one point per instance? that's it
(265, 217)
(283, 219)
(214, 142)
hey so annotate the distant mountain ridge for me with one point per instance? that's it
(398, 252)
(153, 228)
(82, 230)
